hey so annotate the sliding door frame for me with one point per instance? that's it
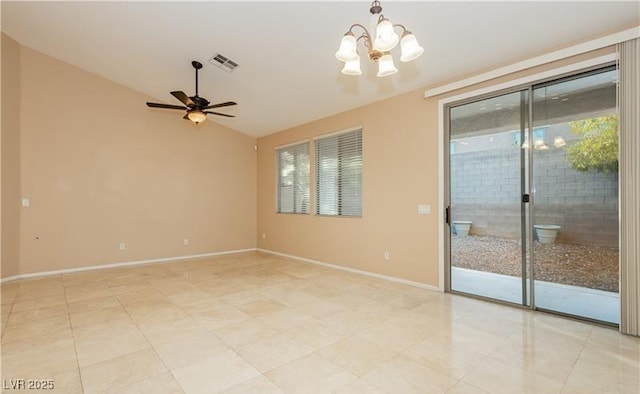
(548, 82)
(525, 121)
(578, 70)
(447, 222)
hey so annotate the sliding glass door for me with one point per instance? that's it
(575, 211)
(532, 192)
(486, 167)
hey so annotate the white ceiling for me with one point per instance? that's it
(288, 74)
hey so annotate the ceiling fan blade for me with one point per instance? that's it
(186, 100)
(186, 117)
(219, 114)
(228, 103)
(167, 106)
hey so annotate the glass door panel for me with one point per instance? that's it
(486, 180)
(575, 201)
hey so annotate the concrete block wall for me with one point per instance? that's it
(485, 188)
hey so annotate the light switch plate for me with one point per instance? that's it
(26, 202)
(424, 209)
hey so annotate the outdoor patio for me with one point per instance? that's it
(594, 304)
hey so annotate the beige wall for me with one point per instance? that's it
(400, 171)
(400, 154)
(101, 168)
(10, 158)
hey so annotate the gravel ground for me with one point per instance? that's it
(595, 267)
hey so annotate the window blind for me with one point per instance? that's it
(292, 187)
(339, 174)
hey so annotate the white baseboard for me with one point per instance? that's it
(123, 264)
(204, 255)
(356, 271)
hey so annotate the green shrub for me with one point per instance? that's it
(597, 151)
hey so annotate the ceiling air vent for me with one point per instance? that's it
(223, 62)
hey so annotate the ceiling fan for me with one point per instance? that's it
(195, 106)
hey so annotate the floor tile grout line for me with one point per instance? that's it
(584, 346)
(191, 316)
(5, 325)
(147, 340)
(73, 335)
(75, 349)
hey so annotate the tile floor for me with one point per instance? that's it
(256, 323)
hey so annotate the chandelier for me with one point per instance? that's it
(378, 46)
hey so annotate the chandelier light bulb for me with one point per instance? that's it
(411, 50)
(347, 50)
(352, 67)
(386, 66)
(196, 116)
(386, 37)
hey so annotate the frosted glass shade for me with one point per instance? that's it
(347, 50)
(352, 67)
(196, 116)
(411, 50)
(386, 37)
(386, 66)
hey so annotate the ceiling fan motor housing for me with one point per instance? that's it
(200, 103)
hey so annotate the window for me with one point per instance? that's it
(339, 174)
(292, 186)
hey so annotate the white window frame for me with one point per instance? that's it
(296, 210)
(337, 187)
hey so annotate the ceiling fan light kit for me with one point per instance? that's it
(196, 116)
(194, 105)
(378, 46)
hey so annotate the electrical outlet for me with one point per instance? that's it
(264, 236)
(185, 242)
(26, 202)
(387, 256)
(123, 246)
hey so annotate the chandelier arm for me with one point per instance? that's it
(366, 41)
(404, 29)
(365, 36)
(360, 26)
